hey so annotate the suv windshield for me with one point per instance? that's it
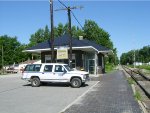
(68, 68)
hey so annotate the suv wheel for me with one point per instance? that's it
(76, 82)
(35, 82)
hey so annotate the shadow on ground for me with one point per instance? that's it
(54, 85)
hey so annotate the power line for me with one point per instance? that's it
(77, 19)
(62, 4)
(71, 12)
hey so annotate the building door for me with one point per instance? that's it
(91, 65)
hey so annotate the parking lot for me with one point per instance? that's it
(17, 96)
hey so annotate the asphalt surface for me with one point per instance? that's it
(17, 96)
(111, 95)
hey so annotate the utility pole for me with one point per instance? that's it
(70, 41)
(2, 60)
(134, 58)
(69, 29)
(52, 31)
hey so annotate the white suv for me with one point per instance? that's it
(54, 72)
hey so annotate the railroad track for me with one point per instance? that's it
(142, 81)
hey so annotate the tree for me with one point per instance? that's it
(39, 36)
(46, 33)
(60, 30)
(93, 32)
(141, 55)
(12, 50)
(78, 32)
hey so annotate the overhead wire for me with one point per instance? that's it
(72, 13)
(62, 4)
(76, 19)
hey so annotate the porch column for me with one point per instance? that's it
(96, 63)
(101, 63)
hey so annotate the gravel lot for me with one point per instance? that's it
(17, 96)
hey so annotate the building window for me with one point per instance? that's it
(47, 58)
(73, 61)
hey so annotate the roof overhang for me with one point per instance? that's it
(107, 52)
(83, 48)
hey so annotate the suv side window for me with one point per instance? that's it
(48, 68)
(37, 67)
(33, 67)
(59, 68)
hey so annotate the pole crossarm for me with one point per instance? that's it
(74, 7)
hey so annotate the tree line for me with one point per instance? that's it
(91, 31)
(141, 55)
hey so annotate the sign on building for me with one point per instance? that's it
(62, 53)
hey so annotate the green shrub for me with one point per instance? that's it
(137, 95)
(109, 67)
(147, 67)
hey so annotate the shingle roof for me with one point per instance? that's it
(64, 40)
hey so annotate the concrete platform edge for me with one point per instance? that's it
(141, 104)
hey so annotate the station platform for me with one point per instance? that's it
(112, 94)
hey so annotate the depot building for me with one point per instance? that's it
(86, 55)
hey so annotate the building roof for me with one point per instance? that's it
(62, 41)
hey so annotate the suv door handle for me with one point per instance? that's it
(42, 73)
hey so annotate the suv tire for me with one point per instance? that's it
(76, 82)
(35, 82)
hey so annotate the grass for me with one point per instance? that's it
(130, 81)
(147, 67)
(131, 66)
(109, 67)
(137, 95)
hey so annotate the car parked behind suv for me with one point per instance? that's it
(54, 72)
(11, 70)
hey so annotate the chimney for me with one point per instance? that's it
(80, 37)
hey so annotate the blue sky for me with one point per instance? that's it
(127, 22)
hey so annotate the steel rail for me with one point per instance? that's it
(134, 78)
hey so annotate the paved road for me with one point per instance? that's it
(112, 95)
(16, 96)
